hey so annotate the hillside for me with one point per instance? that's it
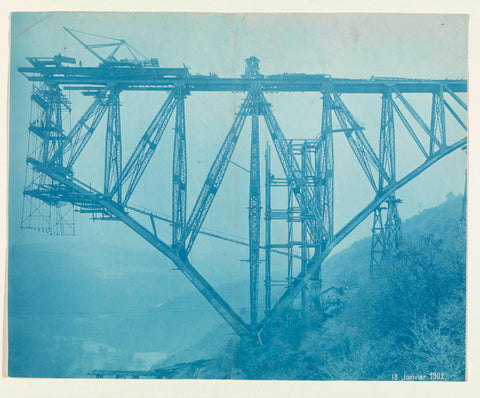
(351, 266)
(79, 307)
(408, 320)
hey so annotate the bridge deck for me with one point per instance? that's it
(164, 79)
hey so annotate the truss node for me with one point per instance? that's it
(52, 193)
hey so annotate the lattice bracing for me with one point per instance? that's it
(304, 176)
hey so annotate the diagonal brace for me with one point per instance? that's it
(301, 190)
(145, 149)
(81, 133)
(220, 305)
(358, 142)
(287, 298)
(417, 117)
(214, 178)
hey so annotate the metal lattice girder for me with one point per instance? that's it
(314, 264)
(409, 128)
(450, 109)
(386, 233)
(454, 96)
(455, 115)
(81, 133)
(393, 225)
(166, 79)
(307, 166)
(358, 142)
(324, 168)
(179, 192)
(387, 139)
(254, 215)
(56, 134)
(315, 208)
(378, 237)
(214, 178)
(294, 174)
(437, 132)
(437, 124)
(113, 145)
(418, 118)
(145, 149)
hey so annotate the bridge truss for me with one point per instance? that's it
(53, 192)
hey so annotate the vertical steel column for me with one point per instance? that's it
(214, 178)
(324, 177)
(393, 232)
(464, 201)
(437, 123)
(81, 134)
(48, 113)
(386, 234)
(58, 127)
(304, 234)
(392, 225)
(377, 245)
(254, 217)
(387, 139)
(113, 145)
(143, 152)
(303, 193)
(393, 222)
(51, 121)
(290, 235)
(323, 187)
(268, 225)
(179, 192)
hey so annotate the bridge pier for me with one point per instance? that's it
(254, 216)
(386, 230)
(307, 165)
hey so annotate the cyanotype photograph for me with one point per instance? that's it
(237, 196)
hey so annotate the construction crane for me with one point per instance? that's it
(113, 45)
(306, 166)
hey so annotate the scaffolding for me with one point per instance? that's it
(43, 207)
(308, 154)
(307, 166)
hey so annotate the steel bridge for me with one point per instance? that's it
(307, 184)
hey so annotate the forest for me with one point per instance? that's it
(406, 321)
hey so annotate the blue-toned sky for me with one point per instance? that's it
(351, 46)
